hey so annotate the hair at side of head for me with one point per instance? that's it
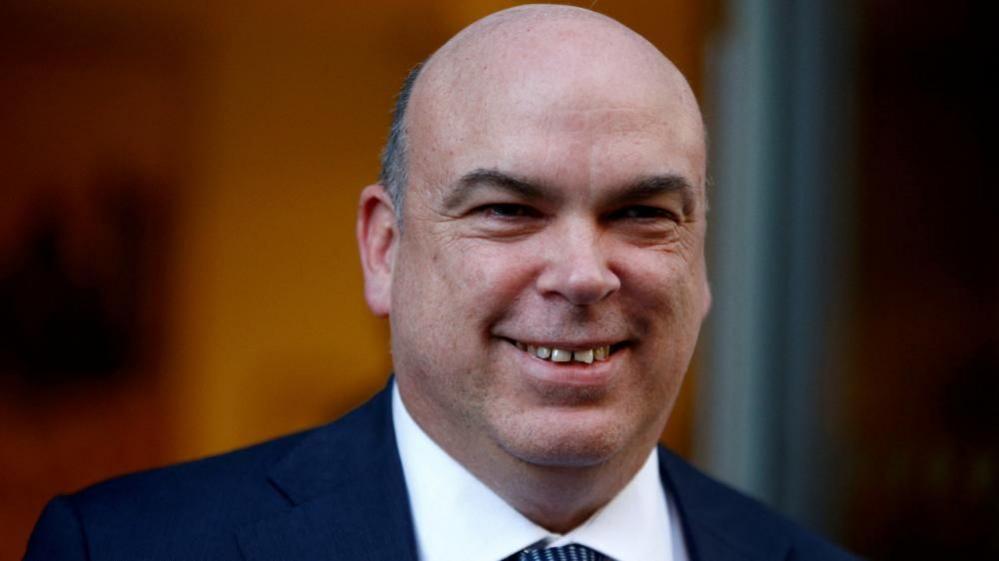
(394, 173)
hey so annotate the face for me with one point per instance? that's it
(545, 220)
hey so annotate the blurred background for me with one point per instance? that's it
(178, 273)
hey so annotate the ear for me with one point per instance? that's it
(377, 236)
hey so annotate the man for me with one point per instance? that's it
(537, 242)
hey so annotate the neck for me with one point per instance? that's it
(556, 497)
(557, 494)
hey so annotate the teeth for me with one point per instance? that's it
(561, 355)
(585, 356)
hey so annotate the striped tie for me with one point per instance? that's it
(571, 552)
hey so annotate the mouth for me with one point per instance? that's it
(563, 353)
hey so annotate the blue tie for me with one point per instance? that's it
(571, 552)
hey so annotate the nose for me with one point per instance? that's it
(577, 267)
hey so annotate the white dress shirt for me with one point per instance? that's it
(458, 518)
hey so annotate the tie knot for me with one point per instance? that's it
(571, 552)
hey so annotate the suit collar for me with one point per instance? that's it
(348, 498)
(718, 524)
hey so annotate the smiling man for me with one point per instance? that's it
(544, 272)
(537, 243)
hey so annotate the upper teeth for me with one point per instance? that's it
(556, 354)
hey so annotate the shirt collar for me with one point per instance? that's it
(458, 518)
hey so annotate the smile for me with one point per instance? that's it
(557, 354)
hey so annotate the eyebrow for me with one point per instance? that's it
(642, 189)
(657, 185)
(483, 178)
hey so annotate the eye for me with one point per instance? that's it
(508, 211)
(642, 213)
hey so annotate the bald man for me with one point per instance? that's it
(536, 241)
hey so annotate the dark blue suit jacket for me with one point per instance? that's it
(337, 492)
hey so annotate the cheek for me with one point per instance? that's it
(461, 287)
(666, 302)
(489, 276)
(665, 290)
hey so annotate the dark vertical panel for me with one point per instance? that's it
(926, 341)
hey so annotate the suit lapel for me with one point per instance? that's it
(348, 500)
(347, 494)
(718, 524)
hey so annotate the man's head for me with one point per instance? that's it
(554, 197)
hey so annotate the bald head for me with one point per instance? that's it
(547, 43)
(553, 56)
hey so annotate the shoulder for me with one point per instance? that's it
(240, 476)
(167, 512)
(193, 510)
(717, 516)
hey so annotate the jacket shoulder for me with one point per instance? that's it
(177, 512)
(193, 484)
(717, 514)
(194, 510)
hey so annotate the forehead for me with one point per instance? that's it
(588, 145)
(580, 103)
(555, 110)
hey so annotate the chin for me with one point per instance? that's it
(572, 442)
